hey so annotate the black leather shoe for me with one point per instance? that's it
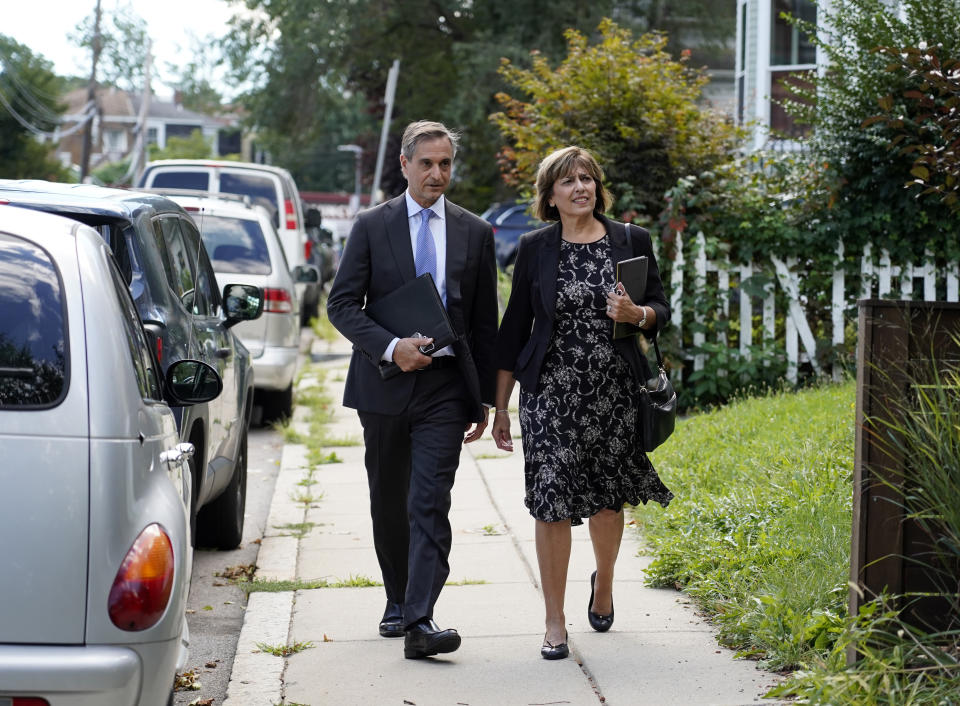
(550, 651)
(391, 625)
(425, 638)
(600, 623)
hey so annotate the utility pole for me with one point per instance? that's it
(385, 131)
(91, 98)
(138, 153)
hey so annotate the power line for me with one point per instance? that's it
(89, 111)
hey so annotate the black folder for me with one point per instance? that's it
(632, 274)
(414, 307)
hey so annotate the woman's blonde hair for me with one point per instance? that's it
(558, 164)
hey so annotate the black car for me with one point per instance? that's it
(510, 220)
(161, 256)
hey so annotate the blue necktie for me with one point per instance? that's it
(425, 257)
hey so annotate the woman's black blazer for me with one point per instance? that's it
(528, 321)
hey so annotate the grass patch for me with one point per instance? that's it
(318, 458)
(339, 441)
(481, 457)
(759, 531)
(466, 582)
(298, 529)
(284, 650)
(270, 586)
(322, 328)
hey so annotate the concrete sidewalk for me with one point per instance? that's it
(659, 652)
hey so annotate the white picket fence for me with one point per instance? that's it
(878, 280)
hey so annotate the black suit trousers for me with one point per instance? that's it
(411, 461)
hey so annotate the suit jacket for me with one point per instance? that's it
(377, 259)
(529, 319)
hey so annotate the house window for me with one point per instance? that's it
(114, 140)
(788, 45)
(793, 59)
(741, 60)
(152, 137)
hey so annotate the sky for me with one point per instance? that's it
(44, 25)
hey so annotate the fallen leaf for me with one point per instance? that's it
(210, 665)
(326, 639)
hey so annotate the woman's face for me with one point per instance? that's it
(575, 193)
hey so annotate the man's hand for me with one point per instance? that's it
(478, 429)
(408, 356)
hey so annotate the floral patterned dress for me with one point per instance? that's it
(578, 429)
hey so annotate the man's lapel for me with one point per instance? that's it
(397, 225)
(457, 243)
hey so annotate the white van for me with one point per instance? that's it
(266, 185)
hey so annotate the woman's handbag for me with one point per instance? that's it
(656, 407)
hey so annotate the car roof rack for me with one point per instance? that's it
(215, 195)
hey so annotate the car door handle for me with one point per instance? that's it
(178, 455)
(224, 352)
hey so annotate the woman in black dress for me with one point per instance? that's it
(578, 386)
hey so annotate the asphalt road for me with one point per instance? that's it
(215, 605)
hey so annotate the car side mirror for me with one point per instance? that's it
(242, 302)
(306, 273)
(191, 382)
(312, 217)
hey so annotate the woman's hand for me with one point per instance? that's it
(501, 431)
(621, 308)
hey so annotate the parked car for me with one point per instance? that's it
(510, 220)
(94, 511)
(271, 187)
(244, 247)
(163, 261)
(322, 253)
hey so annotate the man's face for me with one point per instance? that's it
(428, 171)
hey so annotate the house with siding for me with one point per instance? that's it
(114, 126)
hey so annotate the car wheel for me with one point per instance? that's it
(278, 405)
(310, 308)
(220, 523)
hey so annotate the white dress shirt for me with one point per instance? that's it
(438, 229)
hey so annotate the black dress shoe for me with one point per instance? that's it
(550, 651)
(600, 623)
(425, 638)
(391, 625)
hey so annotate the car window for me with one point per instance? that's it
(261, 190)
(517, 217)
(144, 365)
(34, 350)
(181, 180)
(180, 273)
(205, 300)
(236, 245)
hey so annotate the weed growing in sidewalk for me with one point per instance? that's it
(284, 650)
(322, 328)
(318, 458)
(466, 582)
(306, 498)
(298, 529)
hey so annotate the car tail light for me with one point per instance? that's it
(28, 701)
(277, 301)
(291, 218)
(307, 250)
(142, 588)
(159, 350)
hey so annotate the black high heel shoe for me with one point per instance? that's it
(561, 651)
(600, 623)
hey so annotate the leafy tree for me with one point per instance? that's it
(123, 46)
(320, 71)
(625, 99)
(862, 176)
(194, 80)
(193, 147)
(933, 133)
(29, 93)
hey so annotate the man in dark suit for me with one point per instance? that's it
(414, 422)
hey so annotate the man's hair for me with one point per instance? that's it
(558, 164)
(426, 130)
